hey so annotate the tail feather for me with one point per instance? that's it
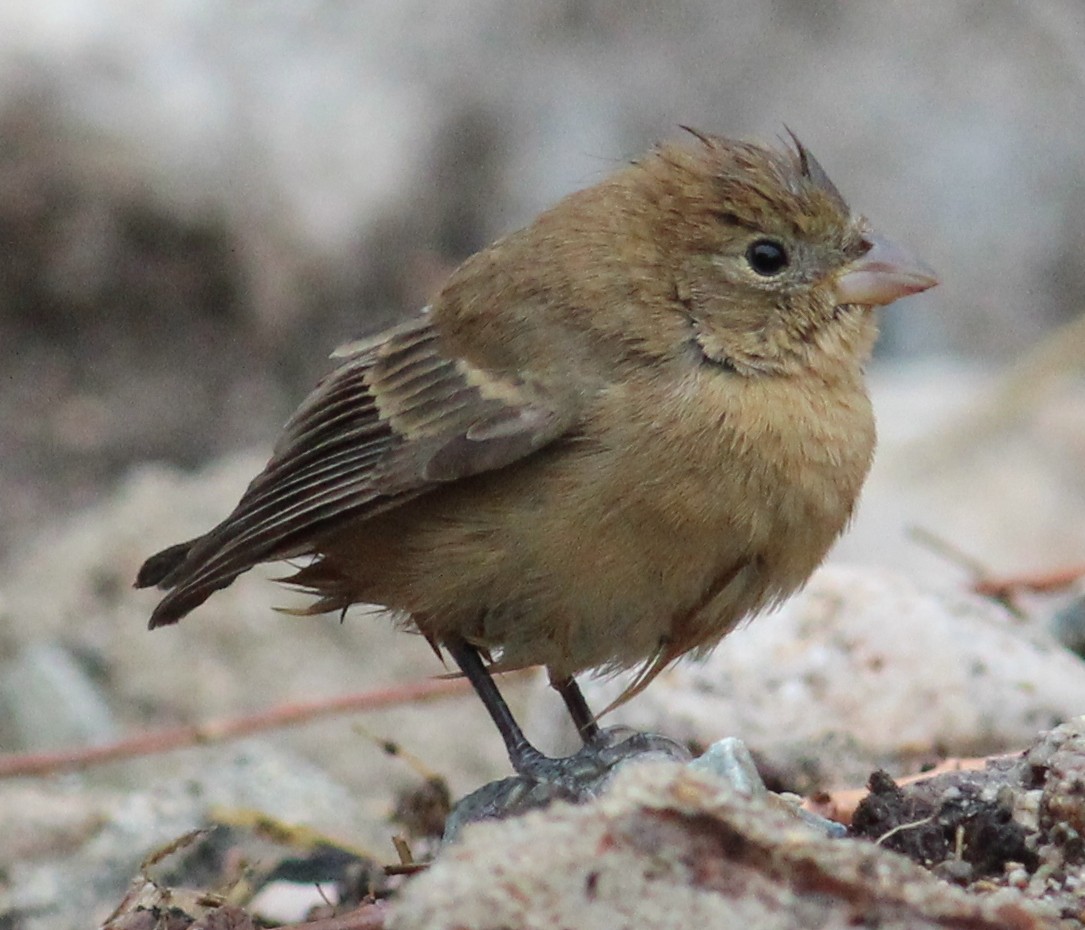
(172, 570)
(180, 601)
(156, 570)
(190, 573)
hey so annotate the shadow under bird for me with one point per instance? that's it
(610, 437)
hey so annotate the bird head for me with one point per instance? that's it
(775, 271)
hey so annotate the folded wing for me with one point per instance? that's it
(396, 419)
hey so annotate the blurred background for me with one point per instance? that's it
(200, 200)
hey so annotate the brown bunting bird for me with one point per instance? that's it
(611, 436)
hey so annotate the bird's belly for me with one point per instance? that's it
(625, 571)
(670, 564)
(678, 532)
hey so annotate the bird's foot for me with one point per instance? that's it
(584, 775)
(587, 773)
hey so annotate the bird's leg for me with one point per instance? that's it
(540, 779)
(526, 759)
(573, 697)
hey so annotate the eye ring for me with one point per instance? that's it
(767, 257)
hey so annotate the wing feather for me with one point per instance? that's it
(396, 419)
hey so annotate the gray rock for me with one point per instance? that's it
(669, 847)
(48, 701)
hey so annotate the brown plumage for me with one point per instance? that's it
(612, 435)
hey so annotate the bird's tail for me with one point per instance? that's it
(161, 565)
(178, 570)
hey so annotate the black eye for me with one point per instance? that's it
(766, 257)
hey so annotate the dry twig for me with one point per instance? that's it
(216, 731)
(1035, 583)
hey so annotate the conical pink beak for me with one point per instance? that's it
(884, 274)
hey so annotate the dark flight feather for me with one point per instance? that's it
(397, 418)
